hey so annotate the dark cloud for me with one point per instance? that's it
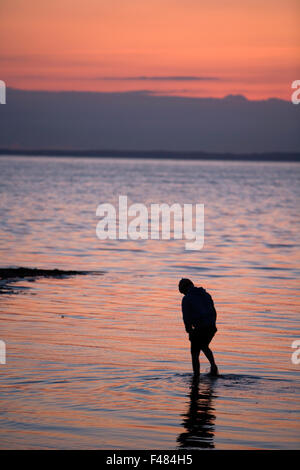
(175, 78)
(142, 120)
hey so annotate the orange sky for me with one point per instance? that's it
(249, 47)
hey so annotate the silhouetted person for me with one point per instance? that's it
(200, 418)
(199, 316)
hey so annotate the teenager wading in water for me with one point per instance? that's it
(199, 317)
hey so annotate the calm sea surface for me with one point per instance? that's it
(102, 360)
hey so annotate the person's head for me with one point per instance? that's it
(184, 285)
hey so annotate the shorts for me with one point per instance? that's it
(200, 338)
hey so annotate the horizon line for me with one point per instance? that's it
(279, 156)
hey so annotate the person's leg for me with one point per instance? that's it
(195, 352)
(209, 354)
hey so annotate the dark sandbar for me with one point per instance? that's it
(13, 273)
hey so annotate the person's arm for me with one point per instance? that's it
(186, 314)
(212, 305)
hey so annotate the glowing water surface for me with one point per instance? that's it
(102, 360)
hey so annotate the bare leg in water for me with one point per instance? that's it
(209, 354)
(196, 364)
(195, 352)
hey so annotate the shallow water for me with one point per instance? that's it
(102, 360)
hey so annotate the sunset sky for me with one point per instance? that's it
(191, 48)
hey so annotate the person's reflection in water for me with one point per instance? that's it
(199, 420)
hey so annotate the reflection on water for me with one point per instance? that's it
(199, 419)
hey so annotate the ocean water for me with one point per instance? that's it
(101, 360)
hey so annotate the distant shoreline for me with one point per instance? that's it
(156, 154)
